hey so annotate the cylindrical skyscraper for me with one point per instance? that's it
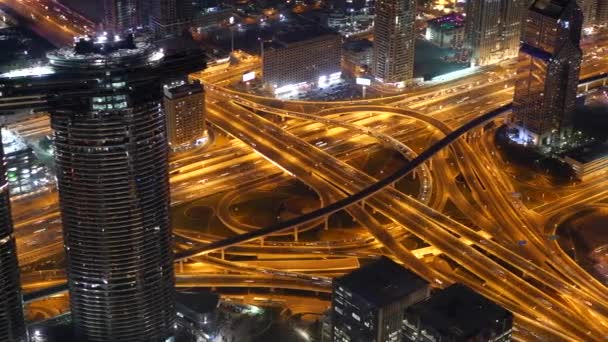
(12, 326)
(104, 96)
(111, 157)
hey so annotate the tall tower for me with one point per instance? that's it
(589, 9)
(493, 29)
(513, 14)
(111, 158)
(394, 41)
(105, 96)
(547, 72)
(121, 15)
(12, 325)
(482, 30)
(164, 17)
(601, 17)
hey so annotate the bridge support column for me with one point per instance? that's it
(223, 255)
(181, 266)
(295, 233)
(326, 223)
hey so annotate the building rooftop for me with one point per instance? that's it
(448, 22)
(358, 45)
(588, 154)
(200, 302)
(179, 89)
(550, 8)
(299, 33)
(458, 311)
(382, 282)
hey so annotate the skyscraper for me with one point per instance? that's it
(482, 30)
(104, 96)
(493, 29)
(547, 72)
(394, 42)
(121, 15)
(601, 17)
(512, 20)
(165, 17)
(589, 9)
(12, 325)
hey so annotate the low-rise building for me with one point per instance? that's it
(588, 162)
(447, 31)
(358, 53)
(457, 314)
(369, 303)
(310, 55)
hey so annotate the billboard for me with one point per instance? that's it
(363, 81)
(249, 76)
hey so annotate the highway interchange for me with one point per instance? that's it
(276, 141)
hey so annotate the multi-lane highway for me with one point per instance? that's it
(501, 249)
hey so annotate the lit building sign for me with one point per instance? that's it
(249, 76)
(363, 81)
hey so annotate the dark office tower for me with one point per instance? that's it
(12, 325)
(457, 314)
(547, 72)
(120, 15)
(394, 40)
(164, 17)
(369, 303)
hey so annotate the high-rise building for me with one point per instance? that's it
(483, 30)
(105, 100)
(601, 17)
(589, 9)
(394, 42)
(12, 325)
(457, 314)
(185, 110)
(170, 17)
(163, 17)
(369, 303)
(493, 29)
(310, 55)
(512, 21)
(547, 72)
(121, 15)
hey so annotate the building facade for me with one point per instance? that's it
(602, 13)
(394, 42)
(185, 110)
(547, 72)
(447, 31)
(309, 58)
(493, 29)
(121, 15)
(483, 30)
(590, 11)
(12, 324)
(457, 314)
(368, 305)
(105, 100)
